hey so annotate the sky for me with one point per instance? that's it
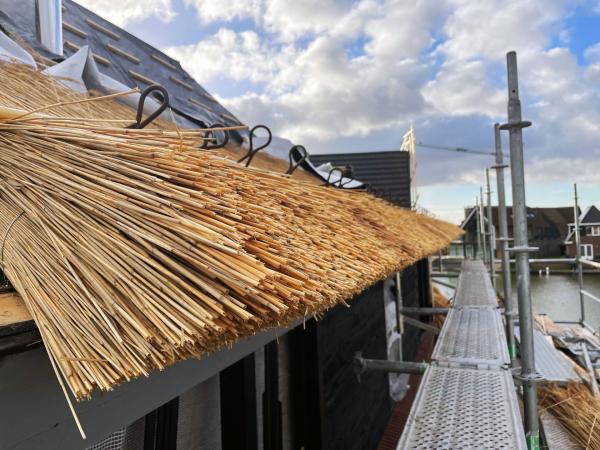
(341, 75)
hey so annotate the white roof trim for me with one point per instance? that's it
(583, 214)
(466, 220)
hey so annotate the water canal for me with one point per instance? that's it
(556, 295)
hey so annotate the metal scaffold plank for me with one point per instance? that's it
(474, 288)
(473, 265)
(557, 437)
(464, 408)
(472, 337)
(549, 363)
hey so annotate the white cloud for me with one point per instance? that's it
(226, 10)
(122, 12)
(463, 88)
(327, 88)
(488, 29)
(292, 18)
(337, 74)
(232, 55)
(580, 170)
(287, 19)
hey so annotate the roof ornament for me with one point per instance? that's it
(210, 134)
(253, 151)
(161, 94)
(296, 150)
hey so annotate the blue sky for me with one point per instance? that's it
(352, 75)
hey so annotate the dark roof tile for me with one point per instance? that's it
(592, 216)
(386, 174)
(122, 56)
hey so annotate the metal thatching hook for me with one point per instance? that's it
(211, 133)
(350, 180)
(139, 123)
(253, 151)
(328, 182)
(293, 163)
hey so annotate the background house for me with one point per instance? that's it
(546, 228)
(284, 388)
(589, 234)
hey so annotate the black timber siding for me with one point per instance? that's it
(332, 410)
(354, 414)
(386, 174)
(411, 297)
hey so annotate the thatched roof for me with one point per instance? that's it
(135, 249)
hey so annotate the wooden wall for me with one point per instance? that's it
(354, 414)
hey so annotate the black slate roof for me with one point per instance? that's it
(386, 174)
(592, 216)
(119, 55)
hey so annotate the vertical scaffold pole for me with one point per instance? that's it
(521, 249)
(482, 225)
(578, 257)
(399, 304)
(503, 231)
(478, 231)
(491, 237)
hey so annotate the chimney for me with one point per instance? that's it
(48, 21)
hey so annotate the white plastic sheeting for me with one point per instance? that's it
(70, 72)
(80, 73)
(398, 381)
(324, 171)
(280, 148)
(11, 51)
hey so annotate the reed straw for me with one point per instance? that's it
(135, 249)
(576, 407)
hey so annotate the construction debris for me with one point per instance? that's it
(439, 300)
(576, 407)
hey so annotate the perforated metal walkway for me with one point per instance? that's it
(472, 337)
(474, 288)
(467, 398)
(464, 409)
(549, 363)
(557, 436)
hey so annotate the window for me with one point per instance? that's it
(593, 230)
(587, 251)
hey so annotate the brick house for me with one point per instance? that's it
(545, 228)
(590, 235)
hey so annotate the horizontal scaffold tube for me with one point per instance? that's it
(363, 364)
(424, 311)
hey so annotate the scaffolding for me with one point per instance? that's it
(467, 398)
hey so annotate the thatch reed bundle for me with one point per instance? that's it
(133, 249)
(26, 89)
(576, 407)
(439, 300)
(268, 162)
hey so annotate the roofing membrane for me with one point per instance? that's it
(120, 56)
